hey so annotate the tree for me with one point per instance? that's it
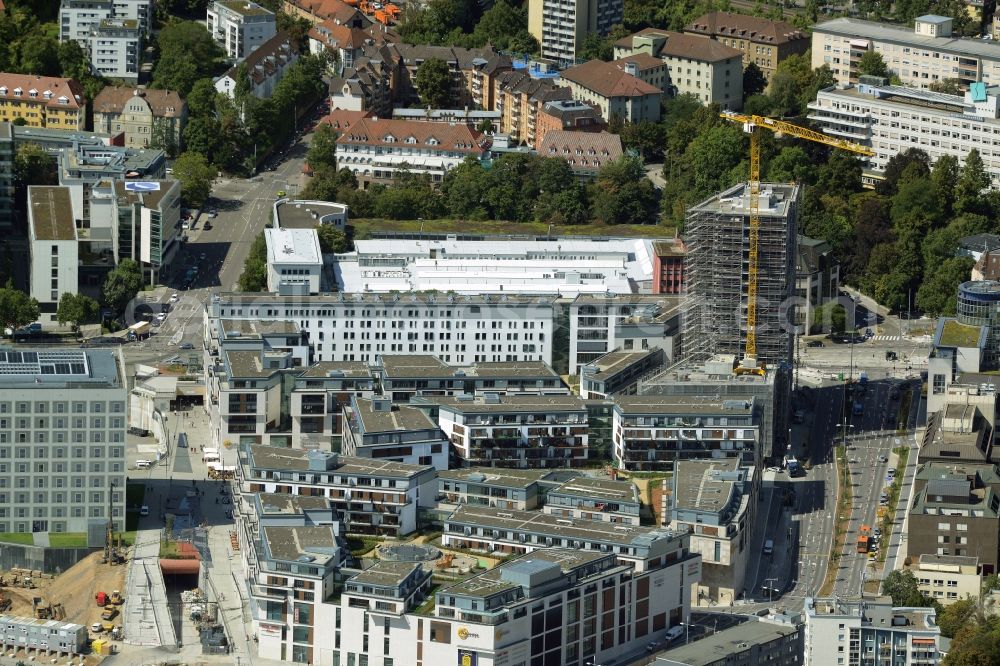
(937, 295)
(34, 166)
(971, 183)
(754, 81)
(433, 81)
(187, 53)
(873, 64)
(195, 175)
(75, 309)
(122, 284)
(17, 309)
(322, 150)
(254, 277)
(956, 615)
(331, 239)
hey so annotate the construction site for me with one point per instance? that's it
(717, 232)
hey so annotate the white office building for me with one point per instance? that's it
(493, 265)
(62, 441)
(462, 330)
(294, 261)
(919, 57)
(239, 26)
(891, 119)
(54, 251)
(869, 631)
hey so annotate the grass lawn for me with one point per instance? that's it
(17, 537)
(363, 228)
(68, 539)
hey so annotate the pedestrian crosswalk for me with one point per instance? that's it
(886, 338)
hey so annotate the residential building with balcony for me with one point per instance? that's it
(956, 511)
(266, 65)
(714, 501)
(464, 330)
(521, 489)
(376, 428)
(763, 42)
(560, 26)
(655, 432)
(239, 27)
(870, 630)
(919, 57)
(602, 323)
(404, 376)
(602, 500)
(42, 101)
(514, 430)
(948, 578)
(892, 119)
(618, 373)
(375, 497)
(115, 48)
(520, 98)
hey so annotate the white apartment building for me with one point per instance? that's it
(714, 502)
(62, 441)
(600, 324)
(554, 606)
(377, 497)
(919, 57)
(498, 264)
(891, 119)
(560, 26)
(514, 430)
(78, 18)
(115, 47)
(948, 578)
(294, 260)
(376, 428)
(358, 327)
(869, 631)
(53, 245)
(239, 26)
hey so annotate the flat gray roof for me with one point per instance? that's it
(495, 476)
(297, 460)
(491, 582)
(511, 403)
(678, 404)
(398, 418)
(723, 644)
(599, 489)
(534, 522)
(292, 543)
(385, 574)
(51, 212)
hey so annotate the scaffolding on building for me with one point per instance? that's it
(717, 233)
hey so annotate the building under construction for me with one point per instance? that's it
(718, 240)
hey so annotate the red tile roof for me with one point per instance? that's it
(607, 80)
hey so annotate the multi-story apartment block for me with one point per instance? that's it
(618, 373)
(370, 496)
(54, 250)
(569, 115)
(956, 511)
(714, 501)
(919, 57)
(613, 502)
(404, 376)
(240, 27)
(555, 606)
(521, 489)
(892, 119)
(600, 324)
(464, 330)
(266, 66)
(585, 152)
(376, 428)
(514, 430)
(373, 149)
(817, 279)
(510, 531)
(292, 549)
(948, 578)
(870, 630)
(62, 441)
(616, 90)
(115, 48)
(560, 26)
(655, 432)
(705, 68)
(763, 42)
(520, 97)
(146, 117)
(42, 101)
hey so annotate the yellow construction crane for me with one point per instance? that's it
(750, 123)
